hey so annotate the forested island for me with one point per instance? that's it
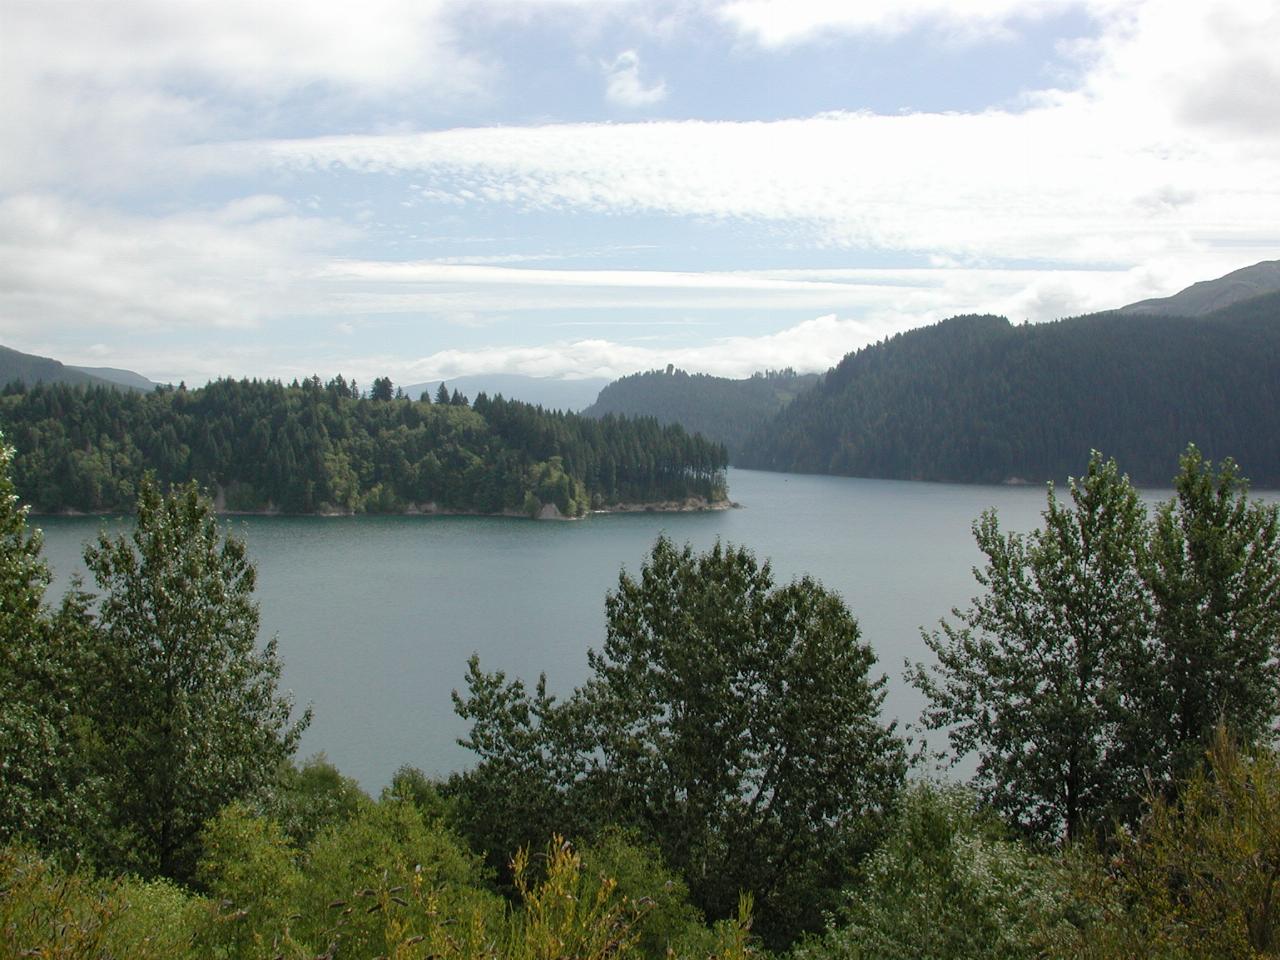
(312, 447)
(722, 786)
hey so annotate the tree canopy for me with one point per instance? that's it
(1105, 647)
(733, 721)
(312, 448)
(976, 399)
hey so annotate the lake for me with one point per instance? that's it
(376, 616)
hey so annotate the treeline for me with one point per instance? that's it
(724, 776)
(310, 447)
(975, 399)
(721, 409)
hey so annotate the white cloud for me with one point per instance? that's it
(97, 89)
(624, 87)
(1059, 182)
(65, 266)
(776, 23)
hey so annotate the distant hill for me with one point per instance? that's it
(1202, 299)
(125, 378)
(18, 367)
(721, 409)
(546, 392)
(976, 399)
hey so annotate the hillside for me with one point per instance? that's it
(1203, 298)
(975, 399)
(26, 368)
(319, 448)
(722, 410)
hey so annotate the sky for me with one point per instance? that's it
(425, 189)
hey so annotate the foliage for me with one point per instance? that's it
(732, 722)
(46, 912)
(975, 399)
(315, 448)
(305, 800)
(1215, 581)
(1199, 879)
(1106, 647)
(669, 922)
(1043, 676)
(47, 795)
(190, 707)
(947, 885)
(569, 914)
(722, 410)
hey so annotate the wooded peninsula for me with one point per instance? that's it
(312, 447)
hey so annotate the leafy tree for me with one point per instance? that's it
(1215, 578)
(191, 710)
(948, 884)
(1045, 677)
(46, 795)
(734, 723)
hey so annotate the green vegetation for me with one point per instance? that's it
(975, 399)
(17, 367)
(732, 722)
(723, 778)
(1107, 648)
(311, 447)
(722, 410)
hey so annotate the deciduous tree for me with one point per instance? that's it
(1045, 677)
(192, 713)
(734, 722)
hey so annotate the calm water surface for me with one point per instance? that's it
(376, 616)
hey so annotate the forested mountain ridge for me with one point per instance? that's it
(721, 409)
(29, 369)
(975, 399)
(311, 447)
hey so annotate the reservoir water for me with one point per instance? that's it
(376, 616)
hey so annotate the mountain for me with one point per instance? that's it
(125, 378)
(975, 399)
(1207, 296)
(18, 367)
(546, 392)
(723, 410)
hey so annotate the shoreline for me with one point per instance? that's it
(548, 511)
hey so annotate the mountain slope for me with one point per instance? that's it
(1207, 296)
(27, 368)
(722, 410)
(975, 399)
(126, 378)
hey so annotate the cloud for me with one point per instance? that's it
(98, 90)
(67, 266)
(1064, 182)
(777, 23)
(810, 345)
(624, 87)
